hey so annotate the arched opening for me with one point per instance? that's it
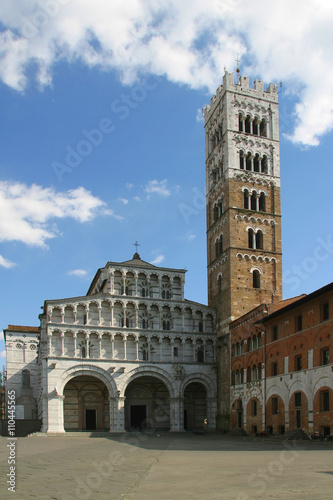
(147, 404)
(86, 404)
(195, 406)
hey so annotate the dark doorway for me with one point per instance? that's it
(90, 420)
(185, 420)
(138, 417)
(298, 419)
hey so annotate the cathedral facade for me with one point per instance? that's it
(131, 354)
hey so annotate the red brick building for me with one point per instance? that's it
(282, 366)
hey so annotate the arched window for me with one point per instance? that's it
(248, 125)
(200, 327)
(254, 201)
(246, 199)
(251, 238)
(220, 205)
(200, 356)
(216, 248)
(221, 244)
(256, 163)
(219, 283)
(83, 351)
(256, 127)
(256, 279)
(233, 350)
(241, 160)
(25, 378)
(263, 128)
(143, 292)
(166, 325)
(264, 165)
(262, 203)
(249, 162)
(259, 240)
(240, 123)
(216, 212)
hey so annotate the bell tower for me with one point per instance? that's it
(244, 248)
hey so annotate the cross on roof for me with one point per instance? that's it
(136, 244)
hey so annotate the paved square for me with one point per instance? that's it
(167, 466)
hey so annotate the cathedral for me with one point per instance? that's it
(133, 353)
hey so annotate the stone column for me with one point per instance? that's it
(137, 349)
(136, 285)
(99, 346)
(193, 350)
(176, 419)
(125, 348)
(111, 340)
(55, 413)
(74, 340)
(136, 318)
(99, 308)
(62, 337)
(87, 345)
(111, 310)
(160, 341)
(183, 349)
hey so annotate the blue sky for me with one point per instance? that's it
(102, 141)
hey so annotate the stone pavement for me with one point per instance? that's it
(167, 466)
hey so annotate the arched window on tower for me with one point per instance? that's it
(256, 279)
(263, 128)
(255, 127)
(248, 125)
(249, 162)
(216, 248)
(220, 244)
(219, 283)
(251, 238)
(254, 201)
(262, 202)
(259, 240)
(216, 212)
(264, 165)
(220, 205)
(240, 123)
(256, 163)
(241, 160)
(246, 199)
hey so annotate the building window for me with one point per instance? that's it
(274, 369)
(240, 123)
(259, 240)
(200, 356)
(275, 335)
(298, 399)
(251, 238)
(264, 165)
(83, 352)
(200, 327)
(324, 401)
(246, 200)
(325, 356)
(84, 319)
(256, 279)
(298, 363)
(166, 325)
(254, 201)
(263, 128)
(175, 352)
(241, 160)
(275, 406)
(219, 283)
(299, 323)
(25, 378)
(326, 311)
(262, 203)
(254, 408)
(248, 125)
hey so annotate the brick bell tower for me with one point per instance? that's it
(243, 210)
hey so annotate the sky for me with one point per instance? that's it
(102, 138)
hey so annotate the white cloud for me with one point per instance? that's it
(1, 335)
(129, 186)
(3, 354)
(137, 198)
(158, 187)
(123, 200)
(191, 237)
(158, 260)
(27, 211)
(80, 273)
(190, 42)
(199, 116)
(6, 263)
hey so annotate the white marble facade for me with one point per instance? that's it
(132, 353)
